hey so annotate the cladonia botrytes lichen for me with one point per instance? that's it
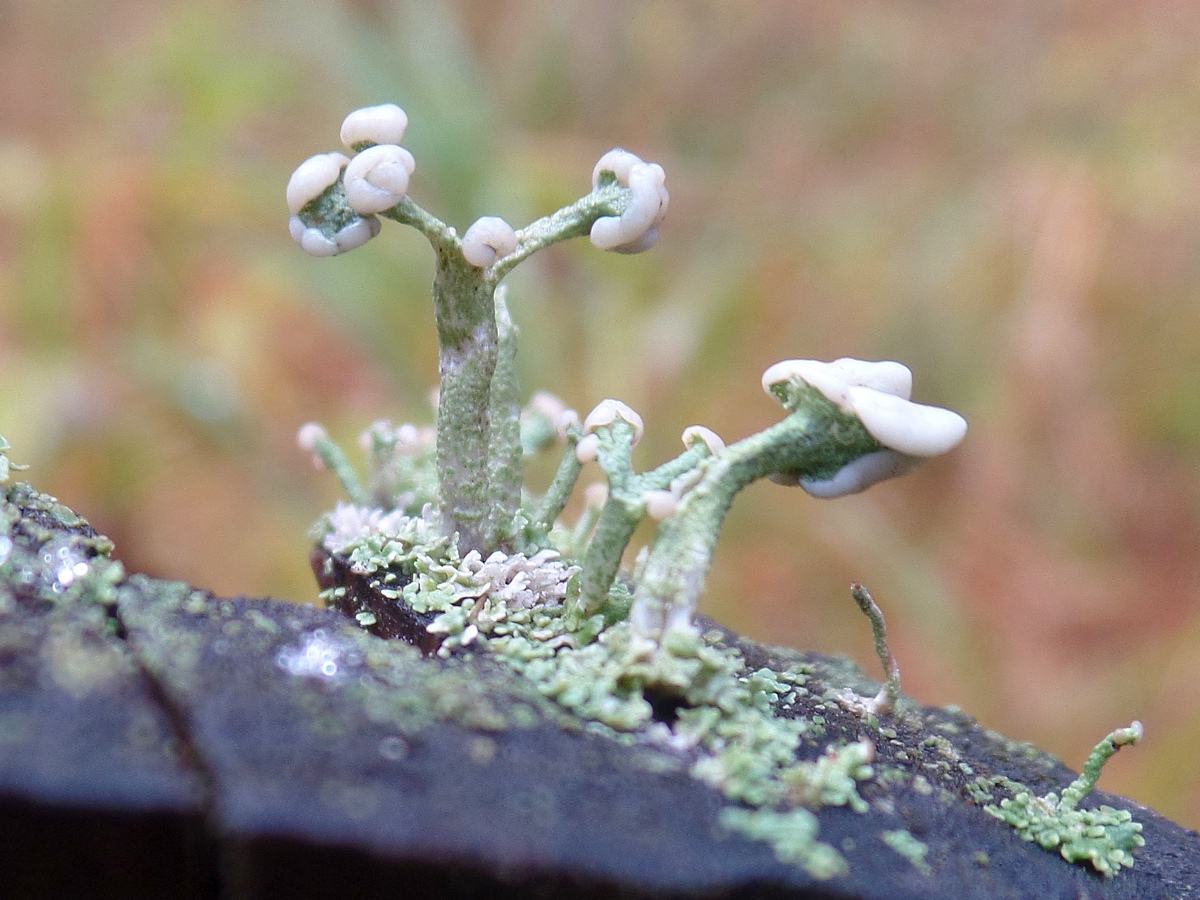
(1103, 837)
(443, 527)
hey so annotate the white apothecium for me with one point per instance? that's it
(488, 239)
(383, 124)
(636, 229)
(876, 393)
(377, 178)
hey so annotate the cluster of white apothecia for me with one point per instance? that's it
(636, 229)
(376, 179)
(877, 394)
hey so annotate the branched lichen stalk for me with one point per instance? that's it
(335, 203)
(569, 222)
(814, 440)
(617, 522)
(624, 509)
(479, 450)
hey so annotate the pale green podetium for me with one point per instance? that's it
(335, 201)
(909, 847)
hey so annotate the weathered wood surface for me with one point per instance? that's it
(156, 741)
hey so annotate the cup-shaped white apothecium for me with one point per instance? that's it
(855, 477)
(695, 434)
(636, 229)
(607, 412)
(312, 178)
(886, 375)
(834, 379)
(316, 242)
(488, 239)
(910, 428)
(617, 161)
(383, 124)
(377, 178)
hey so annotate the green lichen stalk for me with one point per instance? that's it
(815, 439)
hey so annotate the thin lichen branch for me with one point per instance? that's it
(626, 505)
(440, 235)
(328, 455)
(572, 221)
(1101, 754)
(889, 695)
(554, 501)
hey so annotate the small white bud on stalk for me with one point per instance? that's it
(607, 412)
(588, 448)
(488, 239)
(660, 504)
(695, 434)
(377, 179)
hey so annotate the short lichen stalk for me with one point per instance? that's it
(889, 694)
(613, 431)
(1101, 754)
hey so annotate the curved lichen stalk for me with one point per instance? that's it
(815, 439)
(850, 424)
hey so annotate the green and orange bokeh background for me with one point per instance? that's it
(1004, 196)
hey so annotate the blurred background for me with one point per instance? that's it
(1004, 196)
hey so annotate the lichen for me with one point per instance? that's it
(701, 699)
(6, 466)
(1103, 837)
(915, 851)
(793, 837)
